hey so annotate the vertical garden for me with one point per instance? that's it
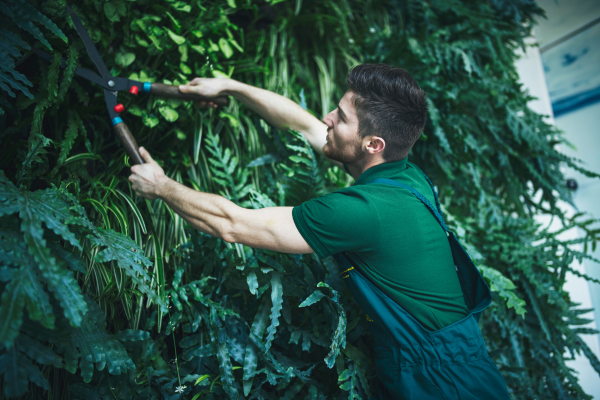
(108, 296)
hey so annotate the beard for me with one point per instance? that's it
(350, 154)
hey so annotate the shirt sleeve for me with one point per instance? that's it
(341, 221)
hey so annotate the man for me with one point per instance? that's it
(406, 270)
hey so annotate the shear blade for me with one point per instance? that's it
(89, 45)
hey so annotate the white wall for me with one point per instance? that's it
(581, 129)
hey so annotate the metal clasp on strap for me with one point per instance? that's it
(349, 269)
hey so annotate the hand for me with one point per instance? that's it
(208, 87)
(147, 179)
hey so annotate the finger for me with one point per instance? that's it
(195, 81)
(145, 155)
(186, 88)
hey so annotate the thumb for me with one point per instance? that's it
(146, 156)
(187, 88)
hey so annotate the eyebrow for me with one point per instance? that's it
(342, 112)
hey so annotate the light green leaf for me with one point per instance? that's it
(312, 299)
(225, 47)
(149, 120)
(168, 113)
(252, 282)
(124, 59)
(179, 40)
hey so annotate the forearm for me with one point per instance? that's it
(279, 111)
(207, 212)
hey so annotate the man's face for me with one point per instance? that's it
(343, 142)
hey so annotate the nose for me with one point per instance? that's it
(328, 120)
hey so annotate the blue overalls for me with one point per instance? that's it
(415, 363)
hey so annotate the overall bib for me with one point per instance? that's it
(415, 363)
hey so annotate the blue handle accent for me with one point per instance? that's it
(146, 87)
(116, 120)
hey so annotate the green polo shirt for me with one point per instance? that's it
(392, 239)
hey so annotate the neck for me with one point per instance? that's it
(358, 168)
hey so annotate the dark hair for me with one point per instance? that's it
(389, 104)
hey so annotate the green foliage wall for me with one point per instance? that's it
(105, 295)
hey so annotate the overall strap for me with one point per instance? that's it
(437, 202)
(435, 211)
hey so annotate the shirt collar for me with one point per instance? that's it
(385, 170)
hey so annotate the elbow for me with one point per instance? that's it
(230, 229)
(227, 233)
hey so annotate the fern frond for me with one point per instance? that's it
(98, 347)
(277, 302)
(25, 15)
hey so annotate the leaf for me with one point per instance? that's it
(149, 120)
(312, 299)
(82, 156)
(38, 352)
(225, 48)
(70, 136)
(96, 346)
(134, 209)
(16, 375)
(252, 283)
(132, 335)
(251, 358)
(114, 10)
(129, 257)
(217, 335)
(277, 301)
(266, 159)
(231, 3)
(179, 40)
(168, 113)
(124, 59)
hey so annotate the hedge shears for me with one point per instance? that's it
(112, 85)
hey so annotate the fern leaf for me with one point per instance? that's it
(96, 346)
(24, 14)
(68, 74)
(4, 87)
(16, 374)
(338, 339)
(13, 38)
(277, 301)
(6, 65)
(252, 282)
(251, 358)
(129, 257)
(36, 147)
(11, 312)
(53, 72)
(70, 136)
(38, 352)
(218, 337)
(312, 299)
(49, 207)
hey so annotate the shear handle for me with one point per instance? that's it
(172, 92)
(128, 141)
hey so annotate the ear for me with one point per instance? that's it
(375, 144)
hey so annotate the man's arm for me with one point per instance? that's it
(279, 111)
(270, 228)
